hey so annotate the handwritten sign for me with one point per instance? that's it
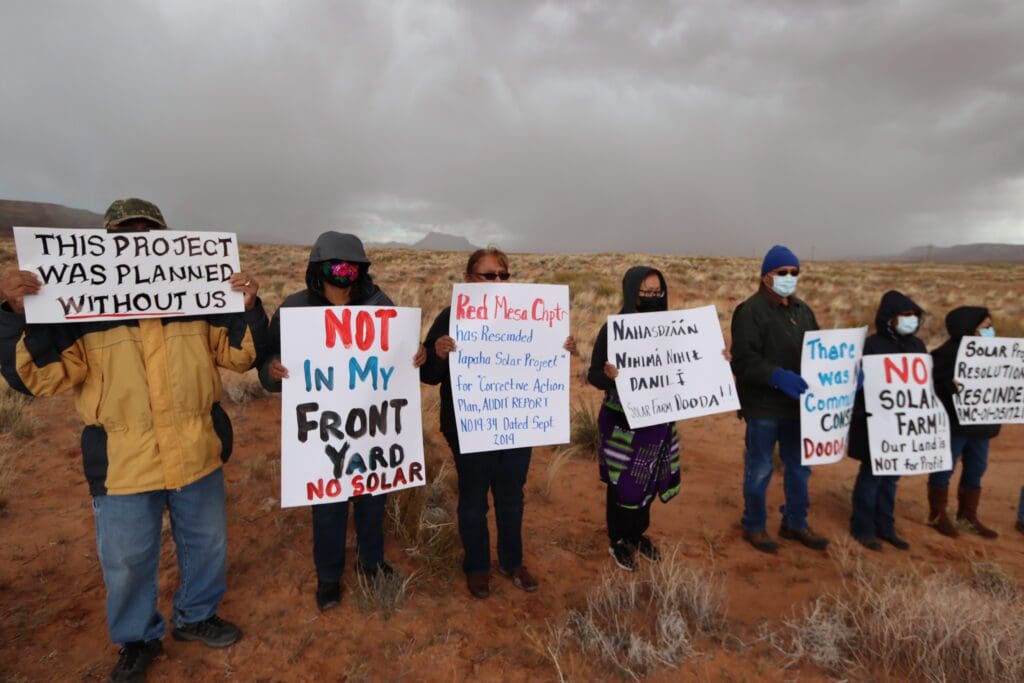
(991, 372)
(96, 275)
(350, 407)
(509, 372)
(670, 365)
(908, 428)
(829, 364)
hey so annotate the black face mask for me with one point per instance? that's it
(651, 304)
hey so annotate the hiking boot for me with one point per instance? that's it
(938, 497)
(806, 536)
(328, 594)
(968, 512)
(382, 568)
(522, 579)
(212, 632)
(622, 552)
(647, 549)
(761, 540)
(479, 584)
(895, 541)
(133, 661)
(869, 542)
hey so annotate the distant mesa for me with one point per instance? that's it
(966, 253)
(43, 215)
(435, 241)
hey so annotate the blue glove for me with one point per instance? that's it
(788, 382)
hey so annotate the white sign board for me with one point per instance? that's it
(96, 275)
(350, 407)
(991, 374)
(908, 428)
(509, 371)
(829, 364)
(670, 365)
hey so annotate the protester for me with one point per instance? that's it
(502, 472)
(338, 274)
(874, 496)
(767, 340)
(156, 437)
(635, 464)
(968, 441)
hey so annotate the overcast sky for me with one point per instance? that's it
(838, 127)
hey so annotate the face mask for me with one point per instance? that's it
(987, 331)
(651, 304)
(906, 324)
(340, 273)
(784, 285)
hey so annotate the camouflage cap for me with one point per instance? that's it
(133, 208)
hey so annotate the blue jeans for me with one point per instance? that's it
(974, 454)
(762, 435)
(1020, 508)
(874, 502)
(330, 523)
(503, 473)
(128, 540)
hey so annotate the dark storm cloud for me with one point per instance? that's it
(842, 128)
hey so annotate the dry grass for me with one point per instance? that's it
(14, 419)
(382, 592)
(423, 520)
(242, 389)
(552, 473)
(584, 434)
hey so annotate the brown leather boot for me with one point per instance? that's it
(938, 496)
(968, 512)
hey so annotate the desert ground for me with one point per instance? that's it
(947, 609)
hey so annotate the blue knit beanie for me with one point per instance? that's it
(777, 257)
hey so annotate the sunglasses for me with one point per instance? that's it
(503, 275)
(788, 271)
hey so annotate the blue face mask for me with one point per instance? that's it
(784, 285)
(906, 324)
(987, 331)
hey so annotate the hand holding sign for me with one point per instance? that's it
(15, 284)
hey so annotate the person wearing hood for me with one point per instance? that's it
(501, 472)
(874, 496)
(968, 443)
(338, 274)
(767, 341)
(635, 464)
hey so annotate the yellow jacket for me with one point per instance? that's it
(148, 390)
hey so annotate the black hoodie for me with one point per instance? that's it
(631, 282)
(885, 340)
(960, 322)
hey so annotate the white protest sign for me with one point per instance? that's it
(990, 371)
(509, 372)
(350, 406)
(96, 275)
(670, 365)
(829, 364)
(908, 428)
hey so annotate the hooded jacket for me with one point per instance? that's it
(960, 322)
(330, 246)
(884, 340)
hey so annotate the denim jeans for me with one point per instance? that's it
(503, 473)
(874, 503)
(330, 524)
(128, 540)
(1020, 508)
(973, 453)
(761, 437)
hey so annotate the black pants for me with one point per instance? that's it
(625, 523)
(330, 523)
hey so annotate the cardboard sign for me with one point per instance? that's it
(990, 371)
(670, 365)
(96, 275)
(908, 428)
(509, 372)
(350, 408)
(829, 364)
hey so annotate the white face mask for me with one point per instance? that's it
(784, 285)
(906, 324)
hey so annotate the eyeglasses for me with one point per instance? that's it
(503, 275)
(788, 271)
(652, 293)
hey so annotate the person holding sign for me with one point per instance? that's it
(969, 441)
(874, 496)
(635, 464)
(767, 341)
(500, 472)
(337, 275)
(156, 437)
